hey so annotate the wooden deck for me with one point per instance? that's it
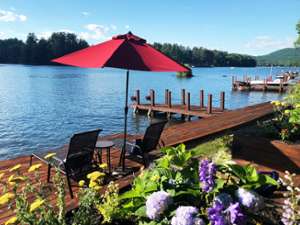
(195, 130)
(182, 133)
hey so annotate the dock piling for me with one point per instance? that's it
(152, 97)
(169, 99)
(222, 101)
(183, 96)
(201, 98)
(209, 104)
(166, 96)
(138, 97)
(188, 104)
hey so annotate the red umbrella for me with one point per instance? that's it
(126, 52)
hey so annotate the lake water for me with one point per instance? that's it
(42, 106)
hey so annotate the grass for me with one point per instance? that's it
(218, 150)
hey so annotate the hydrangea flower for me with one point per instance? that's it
(186, 215)
(157, 203)
(250, 199)
(215, 214)
(207, 173)
(219, 215)
(235, 214)
(224, 198)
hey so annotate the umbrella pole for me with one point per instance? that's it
(125, 122)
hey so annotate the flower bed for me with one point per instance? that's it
(178, 189)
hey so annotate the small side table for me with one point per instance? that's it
(100, 145)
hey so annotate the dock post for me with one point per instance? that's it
(169, 103)
(138, 101)
(152, 97)
(280, 86)
(183, 96)
(222, 101)
(265, 85)
(201, 99)
(166, 96)
(188, 104)
(138, 97)
(152, 102)
(209, 104)
(169, 99)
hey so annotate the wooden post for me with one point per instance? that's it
(169, 99)
(201, 98)
(152, 97)
(222, 100)
(183, 96)
(209, 104)
(281, 86)
(138, 100)
(169, 115)
(166, 96)
(265, 85)
(188, 104)
(188, 101)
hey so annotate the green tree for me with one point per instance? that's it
(297, 42)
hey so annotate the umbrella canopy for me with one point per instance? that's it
(122, 51)
(128, 52)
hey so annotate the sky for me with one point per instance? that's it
(253, 27)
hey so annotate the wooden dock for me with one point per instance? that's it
(266, 86)
(187, 132)
(185, 109)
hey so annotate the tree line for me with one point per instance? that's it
(36, 51)
(202, 57)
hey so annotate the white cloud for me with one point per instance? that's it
(95, 32)
(113, 27)
(127, 26)
(47, 34)
(9, 16)
(2, 35)
(44, 34)
(85, 13)
(268, 43)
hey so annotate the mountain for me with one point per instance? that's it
(283, 57)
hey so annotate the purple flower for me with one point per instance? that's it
(186, 215)
(223, 198)
(207, 173)
(250, 199)
(215, 214)
(157, 203)
(219, 215)
(235, 214)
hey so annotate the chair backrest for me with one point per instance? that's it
(81, 150)
(152, 136)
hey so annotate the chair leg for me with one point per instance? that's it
(69, 185)
(30, 161)
(49, 173)
(145, 159)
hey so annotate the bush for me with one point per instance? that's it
(287, 116)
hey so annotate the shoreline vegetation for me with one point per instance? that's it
(36, 51)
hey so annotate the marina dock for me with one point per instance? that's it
(187, 132)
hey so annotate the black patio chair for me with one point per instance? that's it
(74, 160)
(142, 147)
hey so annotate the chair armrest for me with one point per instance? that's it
(131, 148)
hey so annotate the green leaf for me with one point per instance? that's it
(141, 212)
(130, 194)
